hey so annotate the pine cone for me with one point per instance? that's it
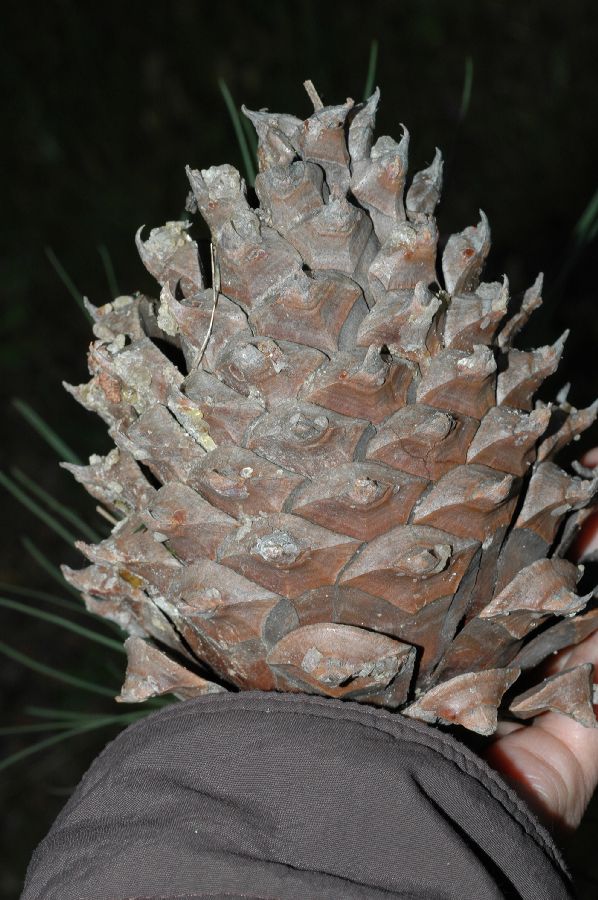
(330, 473)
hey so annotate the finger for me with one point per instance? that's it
(506, 727)
(590, 459)
(553, 763)
(538, 763)
(573, 752)
(584, 652)
(586, 541)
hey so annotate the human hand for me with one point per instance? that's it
(553, 763)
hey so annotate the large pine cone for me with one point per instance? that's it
(337, 480)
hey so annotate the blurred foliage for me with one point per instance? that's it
(109, 102)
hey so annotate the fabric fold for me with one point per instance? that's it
(292, 796)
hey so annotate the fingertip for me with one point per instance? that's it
(586, 541)
(590, 459)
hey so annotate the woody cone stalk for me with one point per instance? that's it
(342, 484)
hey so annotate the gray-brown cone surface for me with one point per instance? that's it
(343, 484)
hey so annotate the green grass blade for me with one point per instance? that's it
(86, 633)
(65, 677)
(46, 432)
(55, 505)
(55, 739)
(241, 139)
(467, 88)
(109, 270)
(67, 281)
(37, 510)
(587, 225)
(53, 571)
(371, 73)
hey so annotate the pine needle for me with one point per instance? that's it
(47, 712)
(49, 567)
(54, 572)
(46, 432)
(64, 602)
(109, 270)
(584, 232)
(250, 135)
(85, 723)
(37, 510)
(467, 88)
(54, 619)
(586, 228)
(31, 729)
(57, 674)
(371, 73)
(67, 281)
(55, 739)
(160, 702)
(241, 139)
(55, 505)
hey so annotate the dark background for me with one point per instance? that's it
(106, 103)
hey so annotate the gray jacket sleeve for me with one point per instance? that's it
(261, 795)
